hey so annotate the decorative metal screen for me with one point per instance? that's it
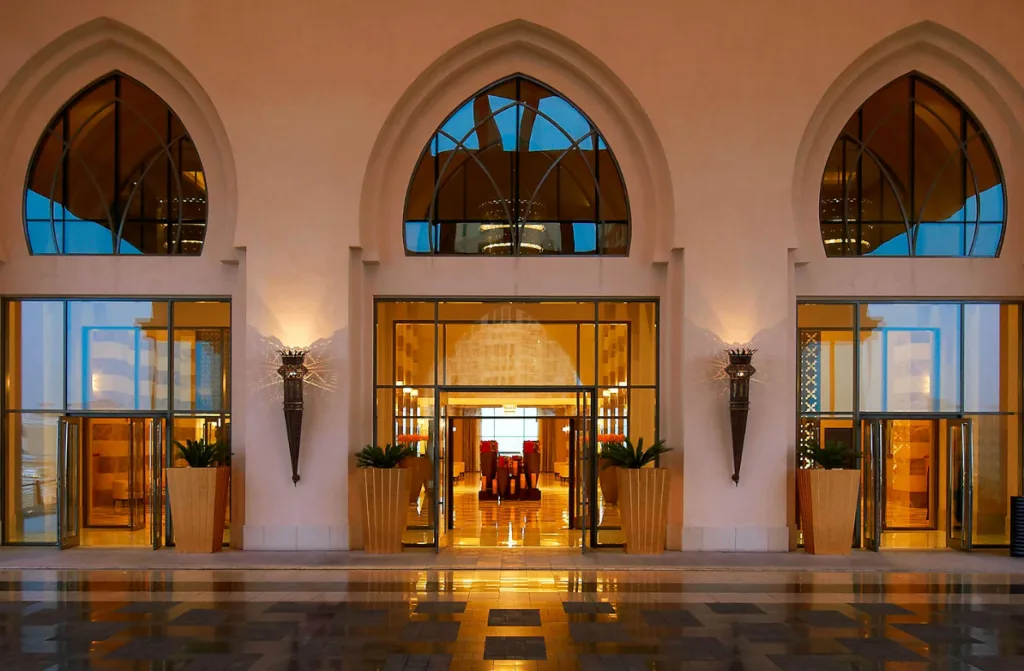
(912, 174)
(517, 170)
(116, 173)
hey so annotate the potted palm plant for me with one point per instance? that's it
(199, 495)
(827, 487)
(385, 496)
(643, 490)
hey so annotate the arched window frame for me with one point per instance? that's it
(913, 214)
(117, 216)
(511, 206)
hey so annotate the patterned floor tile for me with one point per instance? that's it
(513, 617)
(515, 648)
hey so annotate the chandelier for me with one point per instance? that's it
(500, 235)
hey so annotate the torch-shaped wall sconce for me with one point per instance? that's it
(293, 371)
(739, 371)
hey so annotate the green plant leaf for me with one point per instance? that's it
(390, 456)
(832, 455)
(204, 454)
(626, 455)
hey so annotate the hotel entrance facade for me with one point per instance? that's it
(555, 378)
(523, 238)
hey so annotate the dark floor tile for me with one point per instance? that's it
(598, 632)
(27, 662)
(828, 619)
(670, 618)
(815, 663)
(513, 617)
(589, 662)
(417, 663)
(200, 617)
(938, 633)
(150, 607)
(735, 609)
(880, 650)
(696, 649)
(300, 607)
(89, 631)
(264, 631)
(881, 608)
(515, 647)
(430, 632)
(587, 607)
(440, 607)
(763, 631)
(147, 648)
(228, 662)
(992, 663)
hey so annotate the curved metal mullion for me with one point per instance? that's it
(473, 156)
(92, 178)
(66, 153)
(554, 164)
(864, 150)
(142, 176)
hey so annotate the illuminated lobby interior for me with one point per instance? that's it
(566, 374)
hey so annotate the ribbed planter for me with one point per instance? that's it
(608, 481)
(828, 509)
(199, 499)
(503, 478)
(385, 501)
(420, 471)
(643, 505)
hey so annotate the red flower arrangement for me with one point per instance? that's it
(611, 438)
(406, 438)
(489, 446)
(507, 462)
(531, 446)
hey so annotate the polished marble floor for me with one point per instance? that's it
(492, 620)
(511, 523)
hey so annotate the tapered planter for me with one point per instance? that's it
(503, 480)
(385, 501)
(643, 505)
(199, 499)
(608, 480)
(828, 509)
(420, 470)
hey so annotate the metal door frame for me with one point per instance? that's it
(65, 479)
(966, 504)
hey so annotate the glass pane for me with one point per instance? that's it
(405, 343)
(996, 476)
(30, 469)
(992, 358)
(612, 203)
(35, 355)
(639, 318)
(940, 239)
(826, 370)
(510, 353)
(587, 349)
(883, 239)
(938, 163)
(911, 460)
(825, 315)
(202, 361)
(117, 355)
(910, 360)
(642, 412)
(613, 354)
(475, 238)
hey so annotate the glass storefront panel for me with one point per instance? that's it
(35, 355)
(910, 357)
(997, 467)
(510, 353)
(992, 358)
(405, 343)
(202, 356)
(117, 356)
(613, 355)
(30, 468)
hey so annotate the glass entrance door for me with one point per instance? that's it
(442, 484)
(69, 482)
(582, 470)
(872, 484)
(960, 492)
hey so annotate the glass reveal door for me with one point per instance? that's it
(582, 476)
(69, 482)
(155, 432)
(873, 483)
(441, 479)
(960, 509)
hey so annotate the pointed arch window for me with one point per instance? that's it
(116, 173)
(913, 173)
(517, 170)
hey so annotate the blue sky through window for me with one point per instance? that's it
(77, 235)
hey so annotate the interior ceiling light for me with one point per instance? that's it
(839, 241)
